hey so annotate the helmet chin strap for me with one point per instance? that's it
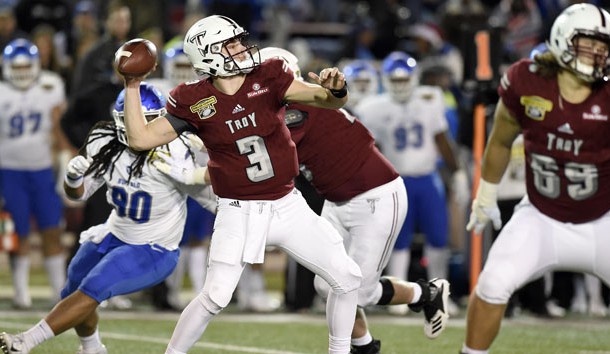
(584, 71)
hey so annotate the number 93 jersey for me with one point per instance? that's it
(567, 145)
(405, 131)
(150, 209)
(26, 123)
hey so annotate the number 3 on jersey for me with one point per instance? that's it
(254, 148)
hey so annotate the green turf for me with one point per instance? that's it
(150, 335)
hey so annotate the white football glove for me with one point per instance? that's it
(194, 141)
(485, 208)
(75, 171)
(460, 187)
(189, 176)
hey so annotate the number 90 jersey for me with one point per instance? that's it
(251, 154)
(150, 209)
(567, 146)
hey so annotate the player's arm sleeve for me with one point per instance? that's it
(497, 152)
(180, 125)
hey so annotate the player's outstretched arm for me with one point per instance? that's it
(143, 135)
(495, 159)
(329, 90)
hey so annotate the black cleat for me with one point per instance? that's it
(373, 347)
(434, 299)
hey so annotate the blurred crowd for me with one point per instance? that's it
(77, 41)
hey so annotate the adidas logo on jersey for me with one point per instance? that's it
(235, 203)
(565, 128)
(238, 109)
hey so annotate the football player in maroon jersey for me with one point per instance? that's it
(366, 201)
(238, 112)
(559, 102)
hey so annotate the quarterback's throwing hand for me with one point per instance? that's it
(330, 78)
(485, 208)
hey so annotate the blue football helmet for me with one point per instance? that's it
(538, 49)
(176, 66)
(398, 73)
(363, 80)
(20, 63)
(153, 105)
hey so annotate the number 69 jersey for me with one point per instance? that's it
(567, 145)
(150, 209)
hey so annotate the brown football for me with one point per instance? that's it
(136, 57)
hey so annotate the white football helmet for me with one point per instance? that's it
(363, 80)
(176, 66)
(20, 63)
(290, 59)
(585, 20)
(205, 40)
(399, 76)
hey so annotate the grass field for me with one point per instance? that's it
(144, 331)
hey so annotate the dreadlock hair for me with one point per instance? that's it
(106, 158)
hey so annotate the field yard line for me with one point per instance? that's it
(139, 338)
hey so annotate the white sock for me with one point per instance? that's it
(398, 266)
(594, 290)
(438, 262)
(257, 281)
(37, 334)
(20, 271)
(364, 340)
(56, 272)
(174, 281)
(338, 345)
(197, 266)
(190, 327)
(91, 342)
(466, 350)
(416, 293)
(340, 315)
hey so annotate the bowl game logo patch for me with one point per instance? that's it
(536, 106)
(205, 107)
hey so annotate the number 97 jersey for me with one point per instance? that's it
(567, 145)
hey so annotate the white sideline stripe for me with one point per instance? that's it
(162, 341)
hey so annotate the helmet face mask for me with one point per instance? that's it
(21, 63)
(399, 75)
(211, 45)
(579, 40)
(153, 106)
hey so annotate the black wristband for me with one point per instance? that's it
(340, 93)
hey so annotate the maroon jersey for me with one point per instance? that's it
(567, 146)
(251, 154)
(338, 150)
